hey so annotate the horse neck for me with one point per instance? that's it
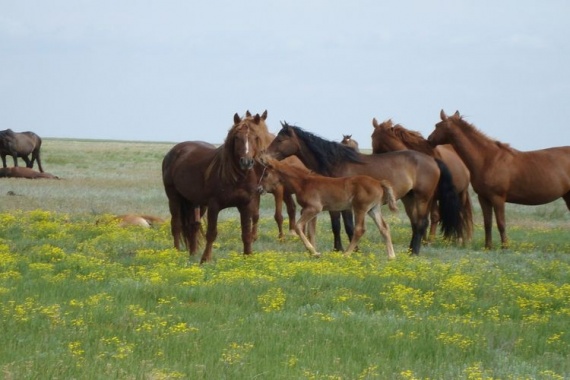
(472, 146)
(420, 145)
(307, 157)
(291, 177)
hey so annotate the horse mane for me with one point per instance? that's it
(328, 154)
(413, 139)
(462, 123)
(223, 164)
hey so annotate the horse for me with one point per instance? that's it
(350, 142)
(388, 138)
(315, 193)
(21, 145)
(126, 220)
(500, 173)
(20, 172)
(415, 177)
(197, 178)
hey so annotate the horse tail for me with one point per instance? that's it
(466, 215)
(452, 225)
(388, 196)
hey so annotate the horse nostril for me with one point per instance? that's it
(246, 163)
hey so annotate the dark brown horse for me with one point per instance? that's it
(350, 142)
(415, 177)
(198, 177)
(315, 193)
(21, 145)
(389, 138)
(500, 173)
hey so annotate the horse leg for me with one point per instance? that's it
(312, 231)
(29, 164)
(4, 160)
(348, 219)
(307, 215)
(36, 156)
(291, 210)
(434, 221)
(566, 198)
(245, 214)
(376, 214)
(359, 230)
(254, 210)
(278, 194)
(499, 208)
(335, 224)
(211, 233)
(487, 209)
(417, 212)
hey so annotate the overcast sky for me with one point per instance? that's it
(177, 70)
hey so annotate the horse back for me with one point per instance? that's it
(406, 170)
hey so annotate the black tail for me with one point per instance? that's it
(452, 223)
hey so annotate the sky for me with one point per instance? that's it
(178, 70)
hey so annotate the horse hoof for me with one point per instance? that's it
(316, 255)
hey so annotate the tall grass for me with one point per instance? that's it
(88, 300)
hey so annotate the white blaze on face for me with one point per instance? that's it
(247, 144)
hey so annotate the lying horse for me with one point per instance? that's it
(20, 172)
(316, 193)
(146, 221)
(20, 145)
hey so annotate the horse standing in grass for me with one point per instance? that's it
(415, 177)
(500, 173)
(21, 145)
(198, 177)
(315, 193)
(388, 138)
(350, 142)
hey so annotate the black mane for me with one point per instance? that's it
(328, 154)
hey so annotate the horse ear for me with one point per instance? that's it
(256, 118)
(457, 115)
(283, 124)
(374, 122)
(442, 115)
(264, 115)
(237, 119)
(247, 113)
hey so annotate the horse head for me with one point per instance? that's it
(285, 144)
(441, 134)
(383, 137)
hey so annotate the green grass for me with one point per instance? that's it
(95, 301)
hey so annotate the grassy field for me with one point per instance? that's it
(88, 300)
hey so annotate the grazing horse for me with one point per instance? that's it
(315, 193)
(388, 138)
(350, 142)
(198, 177)
(500, 173)
(415, 177)
(20, 145)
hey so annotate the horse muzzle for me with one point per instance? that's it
(246, 163)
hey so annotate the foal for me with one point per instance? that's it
(316, 193)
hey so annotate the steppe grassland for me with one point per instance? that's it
(87, 300)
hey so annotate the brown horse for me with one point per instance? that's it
(20, 145)
(388, 138)
(315, 193)
(414, 176)
(198, 177)
(500, 173)
(20, 172)
(350, 142)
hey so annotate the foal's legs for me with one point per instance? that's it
(359, 230)
(278, 194)
(291, 210)
(307, 214)
(376, 215)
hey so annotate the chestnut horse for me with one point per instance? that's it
(198, 177)
(415, 177)
(21, 144)
(315, 193)
(388, 138)
(500, 173)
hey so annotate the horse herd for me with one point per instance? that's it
(430, 176)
